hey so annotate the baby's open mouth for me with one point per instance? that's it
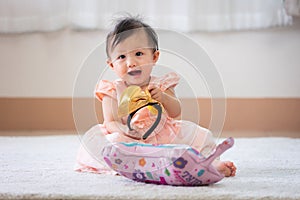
(135, 72)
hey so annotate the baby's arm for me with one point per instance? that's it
(111, 120)
(168, 99)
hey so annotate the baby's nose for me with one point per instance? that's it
(131, 62)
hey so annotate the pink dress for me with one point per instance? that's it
(169, 131)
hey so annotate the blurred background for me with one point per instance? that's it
(254, 45)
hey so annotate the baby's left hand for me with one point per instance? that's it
(156, 93)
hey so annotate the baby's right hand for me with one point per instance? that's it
(156, 93)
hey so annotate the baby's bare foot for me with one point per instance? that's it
(226, 167)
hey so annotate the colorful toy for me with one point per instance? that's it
(138, 105)
(167, 164)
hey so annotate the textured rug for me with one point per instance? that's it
(42, 168)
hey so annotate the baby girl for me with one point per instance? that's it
(132, 51)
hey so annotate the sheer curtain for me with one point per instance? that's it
(190, 15)
(32, 15)
(292, 7)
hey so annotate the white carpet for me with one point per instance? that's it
(42, 167)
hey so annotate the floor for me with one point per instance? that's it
(41, 167)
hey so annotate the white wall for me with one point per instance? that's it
(256, 64)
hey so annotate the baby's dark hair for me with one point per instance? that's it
(122, 31)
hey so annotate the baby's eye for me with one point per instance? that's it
(139, 53)
(121, 57)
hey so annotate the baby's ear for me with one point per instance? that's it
(156, 55)
(109, 63)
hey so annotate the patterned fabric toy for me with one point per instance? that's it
(170, 164)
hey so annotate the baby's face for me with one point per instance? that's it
(133, 59)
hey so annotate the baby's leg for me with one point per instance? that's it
(224, 167)
(89, 156)
(195, 136)
(203, 140)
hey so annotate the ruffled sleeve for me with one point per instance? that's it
(167, 81)
(105, 88)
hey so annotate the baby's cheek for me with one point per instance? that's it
(121, 72)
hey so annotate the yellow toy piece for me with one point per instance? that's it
(134, 98)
